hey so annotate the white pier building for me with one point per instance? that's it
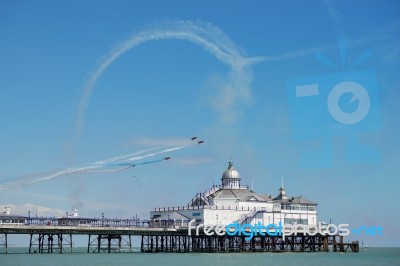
(7, 218)
(231, 202)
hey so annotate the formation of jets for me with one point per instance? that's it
(165, 158)
(198, 142)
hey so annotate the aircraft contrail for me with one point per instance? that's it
(109, 170)
(67, 171)
(124, 157)
(157, 153)
(94, 167)
(236, 87)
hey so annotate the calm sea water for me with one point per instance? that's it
(371, 256)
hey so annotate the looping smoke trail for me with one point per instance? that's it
(236, 87)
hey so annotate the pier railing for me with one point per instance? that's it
(198, 207)
(87, 222)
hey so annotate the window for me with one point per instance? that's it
(196, 214)
(296, 221)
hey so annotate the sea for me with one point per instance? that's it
(367, 256)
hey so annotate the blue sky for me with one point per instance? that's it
(164, 91)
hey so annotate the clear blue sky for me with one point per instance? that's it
(167, 90)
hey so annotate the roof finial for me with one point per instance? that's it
(282, 182)
(230, 163)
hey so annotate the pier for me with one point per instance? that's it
(109, 238)
(179, 242)
(59, 239)
(167, 230)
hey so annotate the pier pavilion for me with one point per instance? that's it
(231, 202)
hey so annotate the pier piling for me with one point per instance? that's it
(58, 239)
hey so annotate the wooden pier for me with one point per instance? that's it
(59, 239)
(203, 243)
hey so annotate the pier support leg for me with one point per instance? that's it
(3, 242)
(60, 243)
(334, 244)
(88, 245)
(98, 243)
(70, 242)
(109, 244)
(325, 244)
(30, 243)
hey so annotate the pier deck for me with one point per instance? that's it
(58, 239)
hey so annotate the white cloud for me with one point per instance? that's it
(333, 11)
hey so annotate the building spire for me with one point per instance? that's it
(282, 192)
(230, 162)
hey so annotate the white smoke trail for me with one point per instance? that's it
(89, 168)
(134, 156)
(156, 153)
(124, 157)
(23, 183)
(109, 170)
(236, 87)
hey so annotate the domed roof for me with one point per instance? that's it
(231, 172)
